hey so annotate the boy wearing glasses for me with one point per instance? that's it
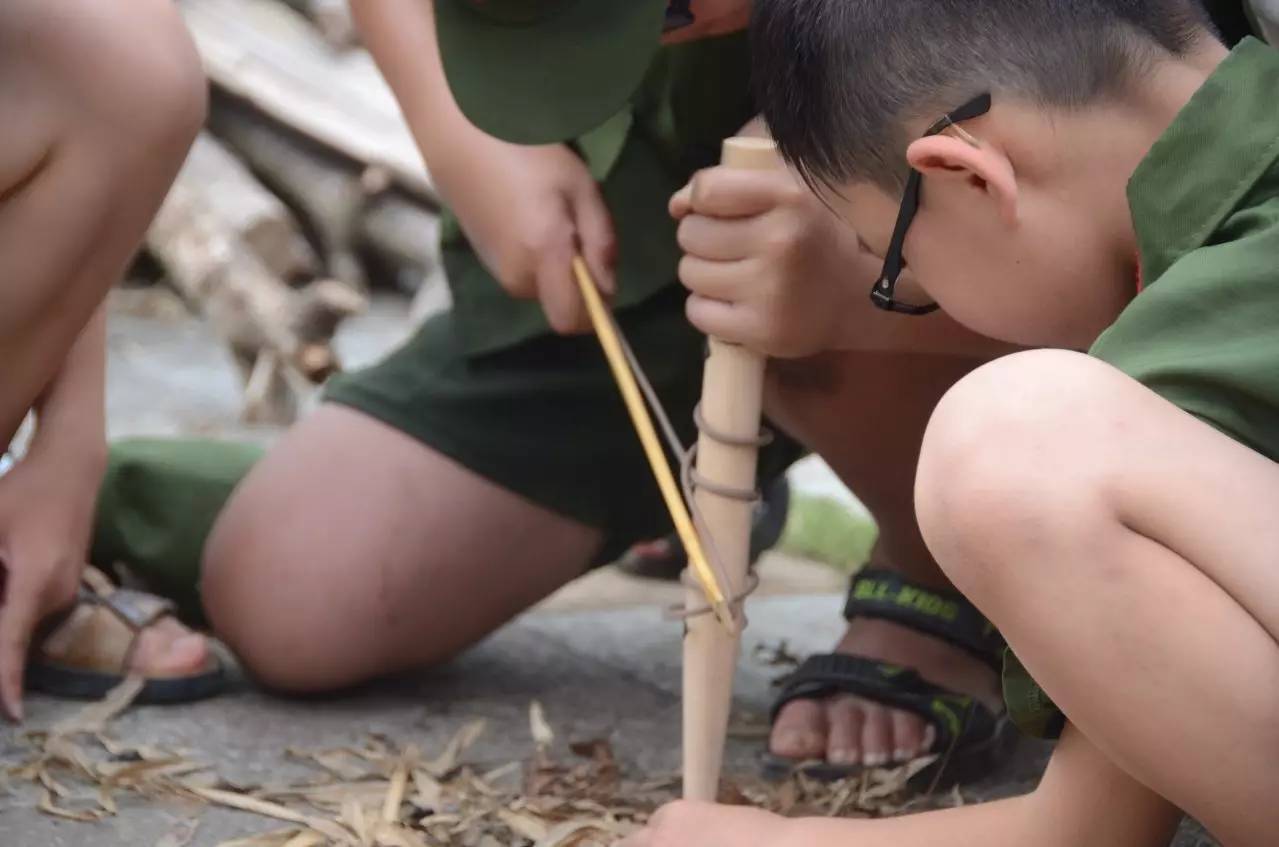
(1105, 178)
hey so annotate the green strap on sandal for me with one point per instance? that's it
(970, 737)
(946, 615)
(957, 718)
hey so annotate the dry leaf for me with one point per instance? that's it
(388, 835)
(95, 717)
(543, 735)
(49, 807)
(777, 655)
(306, 838)
(343, 762)
(500, 773)
(426, 790)
(106, 800)
(395, 794)
(368, 792)
(62, 749)
(180, 835)
(124, 773)
(232, 800)
(574, 833)
(524, 825)
(277, 838)
(353, 817)
(244, 803)
(448, 760)
(883, 783)
(54, 787)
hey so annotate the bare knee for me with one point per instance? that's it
(293, 583)
(257, 609)
(126, 76)
(1009, 463)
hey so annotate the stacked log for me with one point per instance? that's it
(305, 192)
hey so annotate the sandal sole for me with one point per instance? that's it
(77, 684)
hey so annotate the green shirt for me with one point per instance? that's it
(693, 96)
(1204, 332)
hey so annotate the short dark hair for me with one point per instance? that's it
(838, 80)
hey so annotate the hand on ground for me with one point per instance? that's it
(45, 519)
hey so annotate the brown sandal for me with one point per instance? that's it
(99, 636)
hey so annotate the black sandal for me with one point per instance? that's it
(970, 738)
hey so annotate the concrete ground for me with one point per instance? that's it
(598, 655)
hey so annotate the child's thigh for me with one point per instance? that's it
(1039, 445)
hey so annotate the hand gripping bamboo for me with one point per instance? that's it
(727, 450)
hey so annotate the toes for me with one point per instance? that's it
(877, 735)
(800, 731)
(844, 717)
(908, 736)
(169, 649)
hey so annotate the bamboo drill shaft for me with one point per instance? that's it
(732, 402)
(643, 422)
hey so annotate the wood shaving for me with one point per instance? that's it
(539, 728)
(180, 835)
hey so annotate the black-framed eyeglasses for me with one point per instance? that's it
(678, 15)
(882, 294)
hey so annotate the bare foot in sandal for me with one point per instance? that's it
(111, 633)
(165, 649)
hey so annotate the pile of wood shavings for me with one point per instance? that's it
(383, 794)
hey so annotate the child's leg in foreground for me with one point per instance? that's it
(1082, 801)
(1128, 551)
(99, 102)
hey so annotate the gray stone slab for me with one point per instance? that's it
(612, 674)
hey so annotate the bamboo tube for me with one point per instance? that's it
(732, 402)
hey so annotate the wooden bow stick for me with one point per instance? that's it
(620, 363)
(732, 403)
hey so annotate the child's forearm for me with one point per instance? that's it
(1084, 800)
(401, 36)
(1003, 823)
(71, 413)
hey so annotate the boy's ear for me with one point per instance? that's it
(983, 168)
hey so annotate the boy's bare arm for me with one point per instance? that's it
(524, 209)
(47, 500)
(1084, 800)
